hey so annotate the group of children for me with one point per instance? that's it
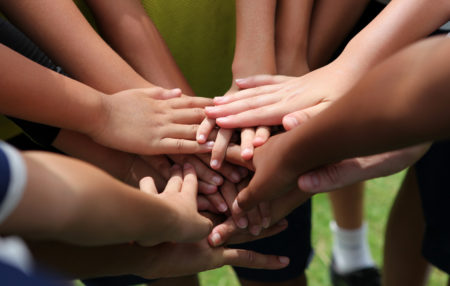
(159, 183)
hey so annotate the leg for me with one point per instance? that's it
(403, 260)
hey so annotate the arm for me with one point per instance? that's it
(63, 33)
(68, 200)
(292, 36)
(129, 30)
(408, 93)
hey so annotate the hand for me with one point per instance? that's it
(249, 137)
(182, 259)
(143, 121)
(281, 95)
(181, 196)
(354, 170)
(273, 176)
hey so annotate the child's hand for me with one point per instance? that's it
(181, 196)
(228, 233)
(143, 121)
(281, 95)
(180, 259)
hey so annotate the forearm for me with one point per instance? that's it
(330, 24)
(390, 31)
(64, 34)
(255, 30)
(35, 93)
(402, 102)
(291, 36)
(130, 31)
(71, 201)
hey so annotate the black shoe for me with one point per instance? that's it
(369, 276)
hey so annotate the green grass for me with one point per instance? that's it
(379, 196)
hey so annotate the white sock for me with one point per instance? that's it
(350, 249)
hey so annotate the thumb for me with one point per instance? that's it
(161, 93)
(296, 118)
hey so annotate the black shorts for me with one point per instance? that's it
(433, 177)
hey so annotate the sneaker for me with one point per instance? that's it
(369, 276)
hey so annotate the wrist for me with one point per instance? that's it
(248, 66)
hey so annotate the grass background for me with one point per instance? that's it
(379, 197)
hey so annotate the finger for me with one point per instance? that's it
(234, 156)
(229, 193)
(203, 171)
(203, 204)
(263, 79)
(228, 233)
(220, 147)
(261, 135)
(169, 93)
(178, 146)
(267, 115)
(190, 102)
(188, 116)
(230, 172)
(296, 118)
(264, 210)
(176, 180)
(218, 202)
(147, 185)
(190, 184)
(205, 129)
(207, 189)
(246, 94)
(160, 163)
(247, 136)
(241, 105)
(181, 131)
(251, 259)
(254, 221)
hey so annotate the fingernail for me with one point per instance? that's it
(282, 222)
(216, 239)
(201, 138)
(265, 222)
(223, 119)
(176, 90)
(209, 144)
(218, 99)
(222, 207)
(283, 259)
(215, 164)
(291, 121)
(235, 177)
(218, 180)
(212, 189)
(242, 223)
(247, 152)
(239, 80)
(255, 230)
(310, 181)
